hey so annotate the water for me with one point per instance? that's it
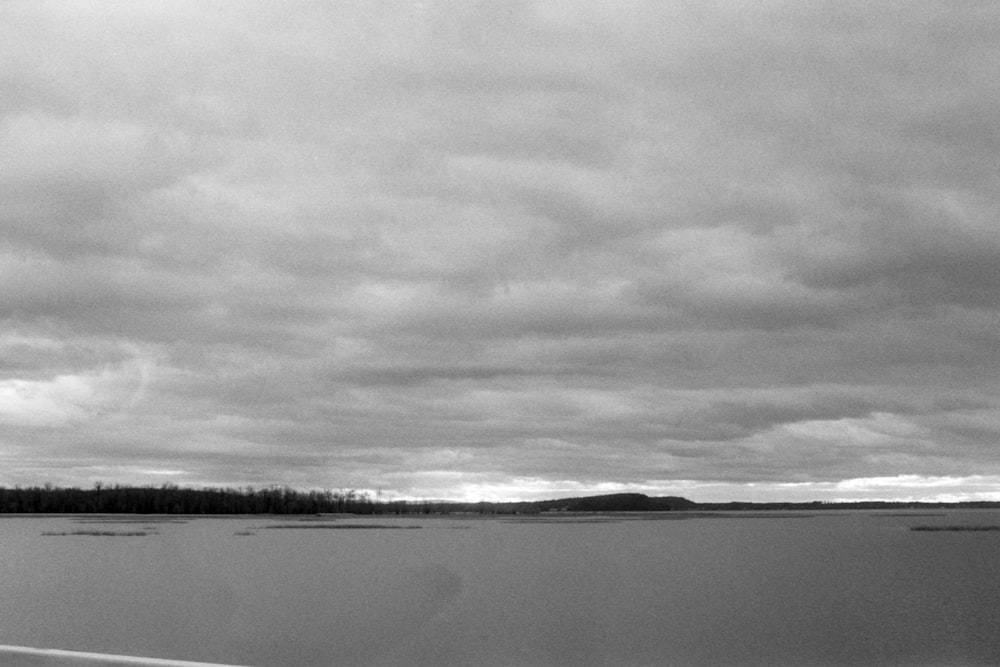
(826, 589)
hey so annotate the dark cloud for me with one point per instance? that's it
(469, 249)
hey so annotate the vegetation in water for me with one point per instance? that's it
(334, 526)
(959, 529)
(102, 533)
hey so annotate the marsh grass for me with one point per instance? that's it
(768, 514)
(116, 521)
(618, 517)
(102, 533)
(329, 526)
(566, 521)
(956, 529)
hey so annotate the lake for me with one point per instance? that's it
(793, 588)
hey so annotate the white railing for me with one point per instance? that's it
(52, 657)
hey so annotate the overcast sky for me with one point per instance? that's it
(732, 250)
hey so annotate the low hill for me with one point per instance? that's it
(616, 502)
(613, 502)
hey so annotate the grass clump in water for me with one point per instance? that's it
(327, 526)
(102, 533)
(956, 529)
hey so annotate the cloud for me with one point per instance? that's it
(441, 247)
(43, 403)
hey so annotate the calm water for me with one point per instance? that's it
(830, 588)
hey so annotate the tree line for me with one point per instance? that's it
(172, 499)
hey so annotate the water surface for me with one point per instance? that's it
(827, 588)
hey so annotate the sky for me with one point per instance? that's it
(502, 250)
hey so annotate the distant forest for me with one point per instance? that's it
(172, 499)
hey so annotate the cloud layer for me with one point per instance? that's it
(460, 249)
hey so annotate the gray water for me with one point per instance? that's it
(826, 589)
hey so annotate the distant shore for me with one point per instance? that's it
(171, 499)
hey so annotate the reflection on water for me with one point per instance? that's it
(827, 588)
